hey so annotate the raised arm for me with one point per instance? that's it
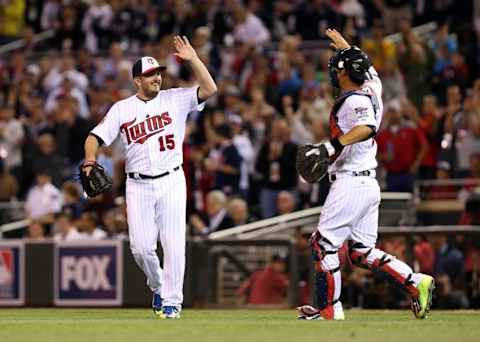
(338, 42)
(186, 52)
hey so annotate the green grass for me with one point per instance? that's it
(139, 325)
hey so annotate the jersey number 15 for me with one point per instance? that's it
(166, 142)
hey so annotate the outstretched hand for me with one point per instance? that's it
(185, 51)
(338, 42)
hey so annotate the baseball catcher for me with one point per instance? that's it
(350, 211)
(94, 179)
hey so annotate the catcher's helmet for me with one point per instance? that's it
(354, 61)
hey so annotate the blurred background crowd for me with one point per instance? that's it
(269, 59)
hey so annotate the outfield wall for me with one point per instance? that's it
(101, 273)
(104, 273)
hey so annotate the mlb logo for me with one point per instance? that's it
(7, 271)
(12, 287)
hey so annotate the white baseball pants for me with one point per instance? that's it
(156, 210)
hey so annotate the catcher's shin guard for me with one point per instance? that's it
(385, 265)
(327, 276)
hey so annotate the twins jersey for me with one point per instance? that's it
(152, 131)
(354, 111)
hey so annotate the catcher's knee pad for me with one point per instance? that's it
(382, 264)
(327, 275)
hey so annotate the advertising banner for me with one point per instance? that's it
(88, 273)
(12, 273)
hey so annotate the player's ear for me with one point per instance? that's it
(137, 81)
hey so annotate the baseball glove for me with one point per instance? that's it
(312, 162)
(97, 181)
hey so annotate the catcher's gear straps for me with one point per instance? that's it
(335, 130)
(325, 275)
(378, 262)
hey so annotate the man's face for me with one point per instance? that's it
(213, 206)
(342, 77)
(149, 84)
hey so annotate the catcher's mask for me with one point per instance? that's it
(354, 61)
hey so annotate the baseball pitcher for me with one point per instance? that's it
(151, 124)
(351, 208)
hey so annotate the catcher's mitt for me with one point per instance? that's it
(97, 181)
(312, 162)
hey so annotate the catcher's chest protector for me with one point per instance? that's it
(335, 130)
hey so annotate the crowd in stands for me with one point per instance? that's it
(269, 59)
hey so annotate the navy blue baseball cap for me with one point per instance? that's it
(146, 65)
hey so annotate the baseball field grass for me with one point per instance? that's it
(138, 325)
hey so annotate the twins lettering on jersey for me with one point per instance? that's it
(140, 132)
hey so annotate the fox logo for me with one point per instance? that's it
(140, 132)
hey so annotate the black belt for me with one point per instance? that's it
(135, 175)
(333, 177)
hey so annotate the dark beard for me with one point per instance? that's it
(150, 94)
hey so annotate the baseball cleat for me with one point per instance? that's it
(309, 313)
(157, 304)
(170, 312)
(421, 304)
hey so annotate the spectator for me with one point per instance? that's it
(428, 123)
(226, 162)
(474, 169)
(276, 167)
(424, 255)
(50, 14)
(8, 184)
(43, 199)
(472, 268)
(65, 229)
(95, 25)
(68, 34)
(65, 71)
(67, 89)
(401, 150)
(448, 260)
(443, 46)
(237, 211)
(468, 144)
(312, 18)
(244, 146)
(267, 286)
(285, 203)
(36, 231)
(249, 28)
(471, 215)
(11, 138)
(72, 204)
(380, 49)
(12, 19)
(450, 123)
(393, 81)
(443, 191)
(215, 217)
(47, 159)
(88, 226)
(414, 61)
(115, 224)
(394, 12)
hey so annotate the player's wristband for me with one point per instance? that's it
(88, 163)
(333, 146)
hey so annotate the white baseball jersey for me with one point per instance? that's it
(350, 210)
(151, 131)
(360, 110)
